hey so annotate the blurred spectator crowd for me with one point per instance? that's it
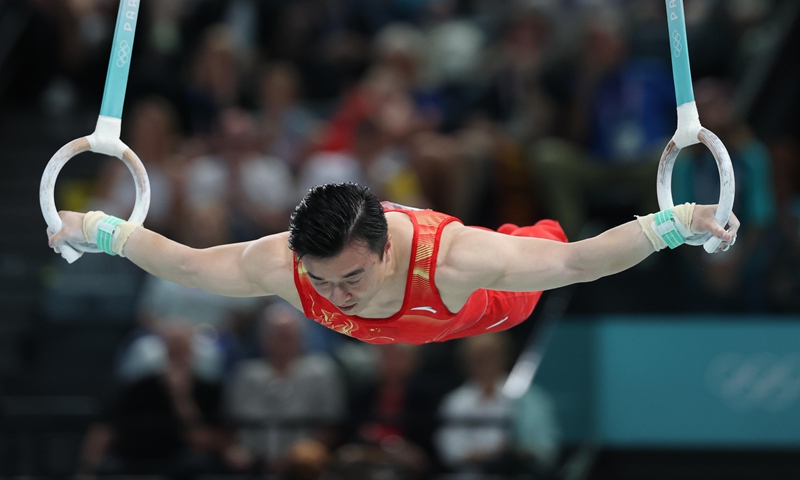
(491, 110)
(186, 403)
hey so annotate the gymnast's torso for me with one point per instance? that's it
(423, 316)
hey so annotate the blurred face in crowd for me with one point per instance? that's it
(153, 128)
(237, 134)
(178, 340)
(399, 47)
(485, 358)
(282, 335)
(368, 142)
(215, 69)
(278, 87)
(205, 225)
(604, 45)
(527, 34)
(382, 83)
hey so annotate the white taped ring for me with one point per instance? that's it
(72, 251)
(727, 187)
(688, 126)
(105, 138)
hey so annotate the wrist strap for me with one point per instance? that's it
(667, 228)
(665, 225)
(90, 221)
(106, 230)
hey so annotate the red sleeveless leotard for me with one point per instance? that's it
(423, 317)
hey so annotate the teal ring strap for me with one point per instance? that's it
(120, 62)
(681, 72)
(105, 234)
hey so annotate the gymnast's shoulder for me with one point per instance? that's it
(269, 263)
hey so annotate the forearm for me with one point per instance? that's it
(611, 252)
(217, 270)
(529, 264)
(160, 256)
(234, 269)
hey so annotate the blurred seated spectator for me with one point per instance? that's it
(524, 103)
(328, 167)
(382, 85)
(364, 140)
(213, 83)
(386, 166)
(384, 97)
(201, 227)
(621, 117)
(285, 397)
(479, 421)
(254, 191)
(399, 408)
(451, 85)
(733, 280)
(221, 321)
(516, 62)
(434, 87)
(373, 161)
(166, 423)
(147, 354)
(480, 401)
(289, 130)
(536, 432)
(162, 26)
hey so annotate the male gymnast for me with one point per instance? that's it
(384, 273)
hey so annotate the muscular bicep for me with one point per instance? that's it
(485, 259)
(257, 268)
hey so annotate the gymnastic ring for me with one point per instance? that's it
(727, 184)
(111, 146)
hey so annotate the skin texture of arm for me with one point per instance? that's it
(246, 269)
(260, 267)
(525, 264)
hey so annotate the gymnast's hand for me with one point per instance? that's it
(71, 230)
(703, 221)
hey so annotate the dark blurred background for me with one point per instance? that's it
(687, 366)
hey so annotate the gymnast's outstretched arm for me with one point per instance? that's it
(526, 264)
(259, 267)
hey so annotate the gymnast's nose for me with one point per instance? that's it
(340, 297)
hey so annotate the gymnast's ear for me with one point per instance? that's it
(388, 247)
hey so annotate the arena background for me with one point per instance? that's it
(687, 366)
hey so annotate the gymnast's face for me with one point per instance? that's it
(351, 279)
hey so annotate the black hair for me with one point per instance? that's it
(335, 215)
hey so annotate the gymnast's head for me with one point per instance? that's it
(340, 234)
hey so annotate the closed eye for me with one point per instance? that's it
(353, 282)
